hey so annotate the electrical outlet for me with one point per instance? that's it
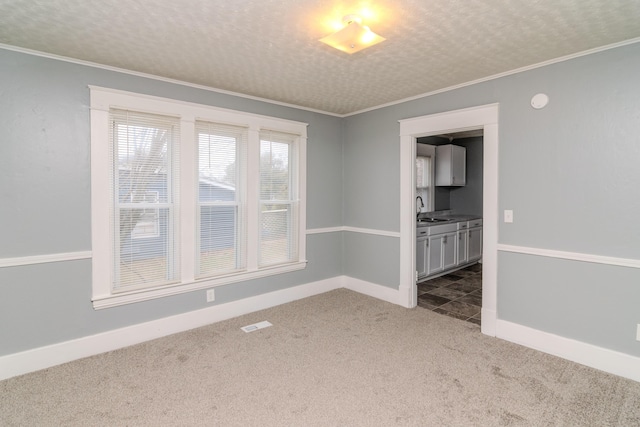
(508, 215)
(638, 333)
(211, 295)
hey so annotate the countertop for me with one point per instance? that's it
(448, 219)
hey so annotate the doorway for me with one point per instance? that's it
(482, 117)
(457, 291)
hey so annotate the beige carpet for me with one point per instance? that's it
(337, 359)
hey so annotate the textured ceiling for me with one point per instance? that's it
(270, 48)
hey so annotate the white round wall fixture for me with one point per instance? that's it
(539, 101)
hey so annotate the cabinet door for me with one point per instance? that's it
(475, 244)
(451, 165)
(434, 254)
(462, 247)
(449, 247)
(458, 165)
(421, 256)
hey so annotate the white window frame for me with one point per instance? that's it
(239, 204)
(291, 201)
(102, 101)
(428, 194)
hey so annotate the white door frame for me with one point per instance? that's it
(482, 117)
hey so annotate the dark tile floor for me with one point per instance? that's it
(457, 294)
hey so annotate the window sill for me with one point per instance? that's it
(114, 300)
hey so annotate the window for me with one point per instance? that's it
(424, 186)
(424, 175)
(186, 196)
(221, 198)
(278, 199)
(141, 148)
(423, 171)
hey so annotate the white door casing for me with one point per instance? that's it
(482, 117)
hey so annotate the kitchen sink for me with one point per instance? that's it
(432, 220)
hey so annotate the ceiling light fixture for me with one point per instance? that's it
(353, 37)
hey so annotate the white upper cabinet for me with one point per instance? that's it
(451, 165)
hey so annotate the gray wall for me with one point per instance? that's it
(45, 200)
(468, 199)
(570, 174)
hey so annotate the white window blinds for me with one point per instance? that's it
(221, 236)
(278, 199)
(144, 158)
(423, 171)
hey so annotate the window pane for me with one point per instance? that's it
(274, 170)
(218, 248)
(148, 225)
(143, 149)
(277, 242)
(221, 158)
(278, 213)
(143, 261)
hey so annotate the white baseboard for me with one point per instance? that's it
(44, 357)
(377, 291)
(614, 362)
(488, 323)
(24, 362)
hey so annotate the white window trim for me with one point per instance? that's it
(104, 99)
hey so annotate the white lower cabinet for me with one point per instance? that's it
(434, 254)
(463, 237)
(446, 247)
(421, 256)
(441, 252)
(475, 244)
(449, 246)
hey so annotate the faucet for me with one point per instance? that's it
(419, 207)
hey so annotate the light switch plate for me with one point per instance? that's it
(211, 295)
(508, 215)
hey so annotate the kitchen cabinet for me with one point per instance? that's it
(474, 244)
(469, 241)
(447, 247)
(442, 252)
(451, 165)
(435, 249)
(449, 251)
(422, 246)
(463, 237)
(434, 256)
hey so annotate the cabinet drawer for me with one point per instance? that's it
(443, 228)
(463, 225)
(475, 223)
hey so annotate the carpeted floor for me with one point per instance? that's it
(336, 359)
